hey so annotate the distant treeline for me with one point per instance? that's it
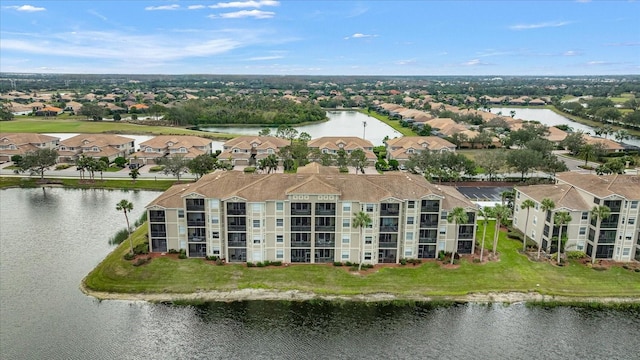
(261, 110)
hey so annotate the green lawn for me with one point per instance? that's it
(52, 125)
(125, 184)
(393, 123)
(513, 272)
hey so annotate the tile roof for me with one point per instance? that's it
(624, 185)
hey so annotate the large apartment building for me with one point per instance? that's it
(308, 217)
(615, 238)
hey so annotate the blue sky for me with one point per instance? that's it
(322, 37)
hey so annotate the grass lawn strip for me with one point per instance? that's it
(169, 278)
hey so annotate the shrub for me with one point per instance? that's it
(403, 261)
(119, 237)
(266, 263)
(250, 264)
(476, 260)
(120, 161)
(576, 255)
(276, 263)
(219, 262)
(156, 168)
(129, 256)
(182, 256)
(260, 264)
(343, 170)
(173, 251)
(442, 255)
(141, 249)
(348, 263)
(62, 166)
(212, 258)
(249, 169)
(141, 261)
(337, 263)
(16, 159)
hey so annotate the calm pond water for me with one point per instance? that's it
(340, 123)
(51, 239)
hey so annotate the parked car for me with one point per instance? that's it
(135, 166)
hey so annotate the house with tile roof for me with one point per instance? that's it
(22, 143)
(307, 218)
(168, 145)
(332, 144)
(402, 148)
(614, 238)
(248, 150)
(95, 146)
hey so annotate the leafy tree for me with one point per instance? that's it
(5, 113)
(554, 165)
(528, 132)
(590, 151)
(546, 206)
(484, 139)
(524, 160)
(561, 218)
(202, 164)
(393, 164)
(175, 165)
(361, 220)
(341, 158)
(38, 161)
(16, 159)
(484, 213)
(621, 135)
(358, 159)
(134, 174)
(459, 138)
(265, 132)
(117, 117)
(573, 142)
(120, 162)
(457, 216)
(500, 212)
(492, 162)
(126, 207)
(527, 204)
(599, 212)
(541, 145)
(93, 111)
(287, 132)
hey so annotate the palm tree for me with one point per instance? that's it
(457, 216)
(484, 213)
(500, 212)
(547, 205)
(560, 218)
(126, 206)
(599, 212)
(361, 220)
(587, 151)
(527, 204)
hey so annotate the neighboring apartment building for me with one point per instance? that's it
(615, 237)
(307, 217)
(168, 145)
(95, 146)
(21, 143)
(401, 148)
(333, 144)
(248, 150)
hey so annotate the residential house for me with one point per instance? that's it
(608, 145)
(95, 146)
(49, 111)
(22, 143)
(248, 150)
(308, 218)
(402, 148)
(614, 238)
(168, 145)
(332, 144)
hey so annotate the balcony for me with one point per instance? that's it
(160, 234)
(609, 224)
(390, 209)
(429, 223)
(302, 228)
(232, 211)
(430, 206)
(157, 219)
(326, 228)
(237, 244)
(300, 244)
(389, 228)
(388, 244)
(325, 211)
(428, 240)
(242, 227)
(465, 236)
(195, 222)
(325, 243)
(196, 238)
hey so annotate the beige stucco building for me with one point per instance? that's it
(307, 217)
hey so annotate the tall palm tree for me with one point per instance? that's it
(500, 212)
(599, 212)
(547, 205)
(484, 213)
(561, 218)
(457, 216)
(527, 204)
(126, 206)
(361, 220)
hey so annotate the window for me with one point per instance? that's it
(346, 223)
(367, 255)
(535, 220)
(634, 204)
(410, 220)
(596, 201)
(580, 246)
(345, 255)
(515, 219)
(537, 206)
(632, 221)
(346, 239)
(215, 220)
(279, 254)
(214, 204)
(279, 238)
(368, 239)
(256, 240)
(626, 251)
(182, 230)
(583, 230)
(369, 207)
(585, 215)
(256, 223)
(408, 253)
(408, 236)
(180, 214)
(517, 194)
(257, 207)
(215, 235)
(411, 204)
(346, 207)
(279, 206)
(279, 222)
(533, 234)
(443, 230)
(443, 215)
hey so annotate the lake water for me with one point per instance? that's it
(549, 118)
(340, 123)
(51, 239)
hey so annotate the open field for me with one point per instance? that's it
(128, 184)
(512, 273)
(50, 125)
(393, 123)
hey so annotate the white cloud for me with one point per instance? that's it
(163, 7)
(195, 7)
(627, 43)
(245, 4)
(539, 25)
(472, 62)
(262, 58)
(571, 53)
(258, 14)
(359, 36)
(27, 8)
(97, 14)
(405, 62)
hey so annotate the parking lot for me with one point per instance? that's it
(484, 193)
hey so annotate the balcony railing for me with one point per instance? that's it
(389, 212)
(388, 228)
(388, 244)
(237, 244)
(195, 222)
(430, 208)
(237, 227)
(300, 244)
(325, 228)
(429, 224)
(196, 238)
(236, 211)
(301, 211)
(159, 219)
(325, 211)
(428, 240)
(325, 244)
(305, 228)
(159, 234)
(465, 236)
(609, 224)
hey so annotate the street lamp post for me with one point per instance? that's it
(364, 129)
